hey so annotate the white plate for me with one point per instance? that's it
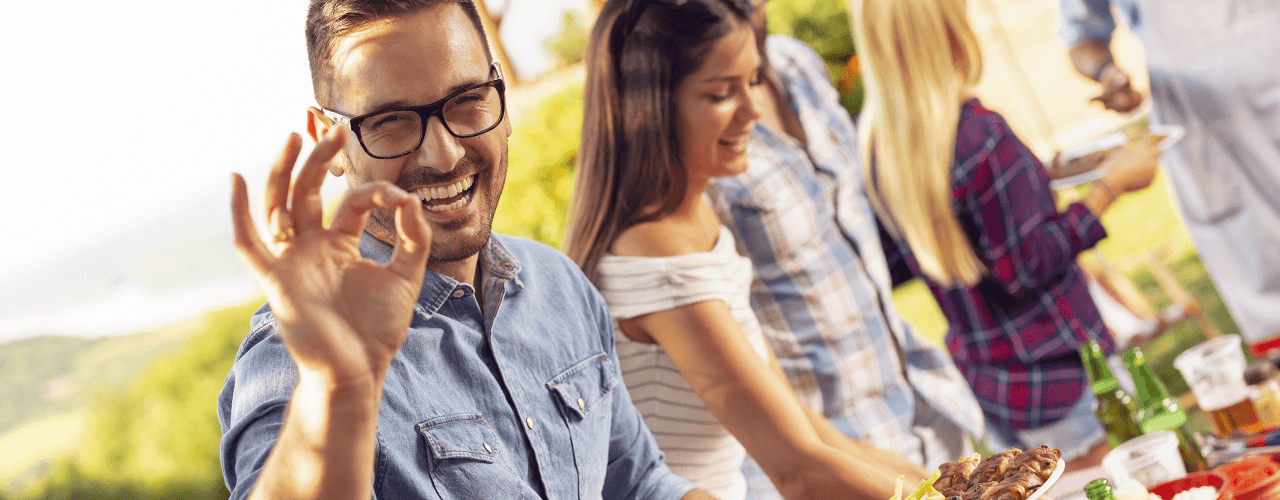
(1174, 133)
(1048, 483)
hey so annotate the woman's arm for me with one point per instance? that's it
(753, 402)
(1024, 241)
(829, 434)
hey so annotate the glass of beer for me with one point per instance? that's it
(1215, 371)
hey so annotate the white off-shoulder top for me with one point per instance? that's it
(696, 445)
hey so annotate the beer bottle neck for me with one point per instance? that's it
(1099, 489)
(1101, 380)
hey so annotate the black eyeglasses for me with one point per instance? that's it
(397, 132)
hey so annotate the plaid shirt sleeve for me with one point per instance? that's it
(1004, 194)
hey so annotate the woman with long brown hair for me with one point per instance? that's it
(670, 104)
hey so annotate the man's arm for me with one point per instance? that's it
(318, 286)
(1087, 26)
(1094, 60)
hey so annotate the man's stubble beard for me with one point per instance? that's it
(382, 220)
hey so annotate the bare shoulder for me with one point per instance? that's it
(661, 238)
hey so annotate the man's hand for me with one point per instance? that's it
(341, 316)
(1117, 93)
(1093, 59)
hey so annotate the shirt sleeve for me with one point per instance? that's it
(1086, 20)
(1022, 239)
(251, 408)
(636, 470)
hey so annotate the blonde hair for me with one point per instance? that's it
(920, 59)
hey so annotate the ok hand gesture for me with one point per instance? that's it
(341, 316)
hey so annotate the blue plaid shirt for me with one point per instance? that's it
(822, 288)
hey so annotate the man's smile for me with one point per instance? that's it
(448, 197)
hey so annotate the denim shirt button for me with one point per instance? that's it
(487, 448)
(459, 293)
(528, 421)
(582, 405)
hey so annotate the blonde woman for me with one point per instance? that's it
(967, 207)
(670, 103)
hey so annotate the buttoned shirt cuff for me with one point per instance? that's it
(1085, 224)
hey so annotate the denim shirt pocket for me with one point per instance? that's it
(584, 392)
(466, 458)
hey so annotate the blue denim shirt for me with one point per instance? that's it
(522, 400)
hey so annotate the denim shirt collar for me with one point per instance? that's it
(495, 261)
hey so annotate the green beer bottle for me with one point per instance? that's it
(1099, 489)
(1113, 405)
(1159, 412)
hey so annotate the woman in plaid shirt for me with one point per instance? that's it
(966, 206)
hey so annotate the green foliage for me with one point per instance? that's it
(569, 45)
(541, 157)
(26, 369)
(824, 25)
(159, 438)
(43, 376)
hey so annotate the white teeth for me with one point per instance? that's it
(442, 192)
(452, 206)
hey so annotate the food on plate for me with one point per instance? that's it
(1012, 474)
(992, 468)
(1080, 164)
(926, 491)
(1201, 493)
(1017, 486)
(956, 473)
(1039, 461)
(1133, 490)
(1058, 168)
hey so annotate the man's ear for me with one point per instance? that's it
(317, 126)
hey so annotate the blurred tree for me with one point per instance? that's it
(495, 41)
(569, 45)
(541, 156)
(824, 25)
(159, 438)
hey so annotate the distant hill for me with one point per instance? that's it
(121, 417)
(43, 376)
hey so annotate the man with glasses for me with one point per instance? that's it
(822, 287)
(406, 351)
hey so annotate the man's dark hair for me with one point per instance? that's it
(329, 20)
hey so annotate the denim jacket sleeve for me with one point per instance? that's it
(252, 404)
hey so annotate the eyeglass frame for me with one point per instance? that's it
(426, 112)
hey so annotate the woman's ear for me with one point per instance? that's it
(317, 126)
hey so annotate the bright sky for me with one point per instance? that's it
(119, 111)
(118, 114)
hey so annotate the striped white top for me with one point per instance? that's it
(696, 445)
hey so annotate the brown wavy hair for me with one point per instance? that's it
(629, 161)
(330, 20)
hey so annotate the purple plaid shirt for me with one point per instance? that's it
(1015, 334)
